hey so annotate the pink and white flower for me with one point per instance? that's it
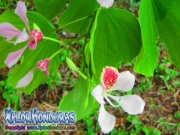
(105, 3)
(9, 32)
(41, 65)
(112, 80)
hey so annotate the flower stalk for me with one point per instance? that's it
(54, 40)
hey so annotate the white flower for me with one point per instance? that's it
(112, 80)
(105, 3)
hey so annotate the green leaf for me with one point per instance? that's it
(36, 27)
(50, 8)
(73, 67)
(167, 15)
(30, 57)
(71, 64)
(79, 100)
(151, 131)
(147, 59)
(78, 16)
(115, 37)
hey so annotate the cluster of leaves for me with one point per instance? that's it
(9, 94)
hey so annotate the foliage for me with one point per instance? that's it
(9, 94)
(109, 36)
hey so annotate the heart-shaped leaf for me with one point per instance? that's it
(167, 16)
(78, 16)
(50, 8)
(115, 37)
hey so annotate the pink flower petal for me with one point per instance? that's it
(46, 73)
(43, 65)
(32, 45)
(25, 80)
(21, 12)
(22, 37)
(13, 57)
(106, 120)
(8, 31)
(37, 35)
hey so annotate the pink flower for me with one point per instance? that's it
(112, 80)
(8, 31)
(41, 65)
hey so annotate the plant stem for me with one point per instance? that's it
(17, 102)
(59, 51)
(81, 74)
(54, 40)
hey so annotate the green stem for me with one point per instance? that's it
(17, 102)
(54, 40)
(59, 51)
(81, 74)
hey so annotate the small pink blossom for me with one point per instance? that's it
(41, 65)
(8, 31)
(37, 35)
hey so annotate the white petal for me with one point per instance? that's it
(105, 3)
(106, 120)
(97, 94)
(132, 104)
(25, 80)
(22, 37)
(125, 81)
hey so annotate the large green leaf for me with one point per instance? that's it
(163, 15)
(30, 57)
(115, 37)
(50, 8)
(78, 16)
(79, 100)
(147, 59)
(167, 15)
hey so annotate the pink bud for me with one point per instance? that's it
(43, 65)
(37, 35)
